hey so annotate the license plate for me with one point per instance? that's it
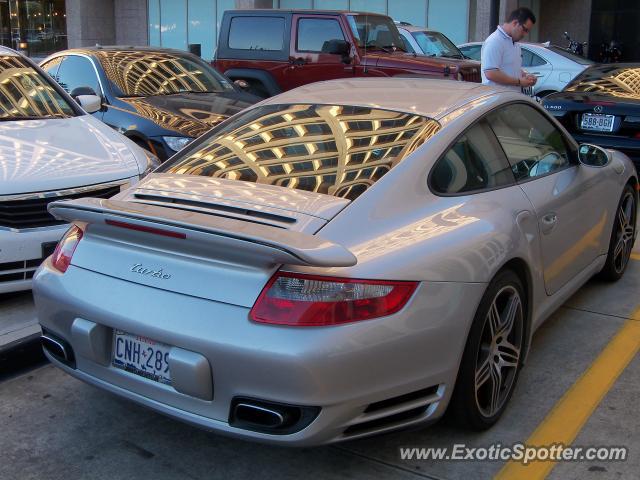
(599, 123)
(142, 356)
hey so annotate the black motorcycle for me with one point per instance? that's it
(574, 46)
(611, 52)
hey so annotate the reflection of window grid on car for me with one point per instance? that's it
(328, 157)
(314, 33)
(532, 144)
(24, 93)
(618, 82)
(134, 73)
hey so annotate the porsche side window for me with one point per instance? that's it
(533, 145)
(475, 162)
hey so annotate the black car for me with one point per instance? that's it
(602, 106)
(160, 98)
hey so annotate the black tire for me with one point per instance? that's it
(467, 403)
(623, 232)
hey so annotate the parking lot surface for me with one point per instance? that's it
(54, 426)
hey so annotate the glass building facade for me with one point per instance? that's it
(36, 27)
(180, 23)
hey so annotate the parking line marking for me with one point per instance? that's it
(565, 420)
(635, 256)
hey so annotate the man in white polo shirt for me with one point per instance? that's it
(501, 57)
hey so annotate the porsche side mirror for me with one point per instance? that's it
(593, 155)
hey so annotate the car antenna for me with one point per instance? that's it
(366, 33)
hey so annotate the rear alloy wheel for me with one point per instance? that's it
(622, 236)
(493, 354)
(499, 353)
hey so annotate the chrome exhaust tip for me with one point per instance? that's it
(57, 348)
(270, 417)
(264, 417)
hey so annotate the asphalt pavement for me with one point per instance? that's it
(56, 427)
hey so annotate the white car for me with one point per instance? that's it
(50, 149)
(423, 41)
(555, 67)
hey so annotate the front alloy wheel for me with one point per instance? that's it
(622, 236)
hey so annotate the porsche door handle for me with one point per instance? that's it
(548, 222)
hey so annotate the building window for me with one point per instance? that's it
(35, 27)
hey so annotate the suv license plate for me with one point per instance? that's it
(598, 123)
(142, 356)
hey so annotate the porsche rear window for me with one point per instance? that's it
(329, 149)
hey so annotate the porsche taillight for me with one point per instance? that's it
(310, 300)
(61, 258)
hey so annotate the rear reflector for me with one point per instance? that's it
(309, 300)
(598, 102)
(142, 228)
(61, 258)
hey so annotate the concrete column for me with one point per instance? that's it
(90, 22)
(506, 7)
(480, 26)
(573, 16)
(131, 22)
(254, 3)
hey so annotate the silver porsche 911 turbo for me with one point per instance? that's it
(344, 259)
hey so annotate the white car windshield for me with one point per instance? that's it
(436, 44)
(25, 94)
(376, 32)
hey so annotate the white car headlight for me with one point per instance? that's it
(177, 143)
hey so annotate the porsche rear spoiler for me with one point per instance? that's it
(254, 241)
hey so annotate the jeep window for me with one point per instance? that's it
(375, 32)
(146, 73)
(314, 34)
(257, 33)
(26, 94)
(329, 149)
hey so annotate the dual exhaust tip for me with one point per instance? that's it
(57, 348)
(270, 417)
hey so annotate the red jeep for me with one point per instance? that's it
(276, 50)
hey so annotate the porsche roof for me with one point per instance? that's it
(428, 97)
